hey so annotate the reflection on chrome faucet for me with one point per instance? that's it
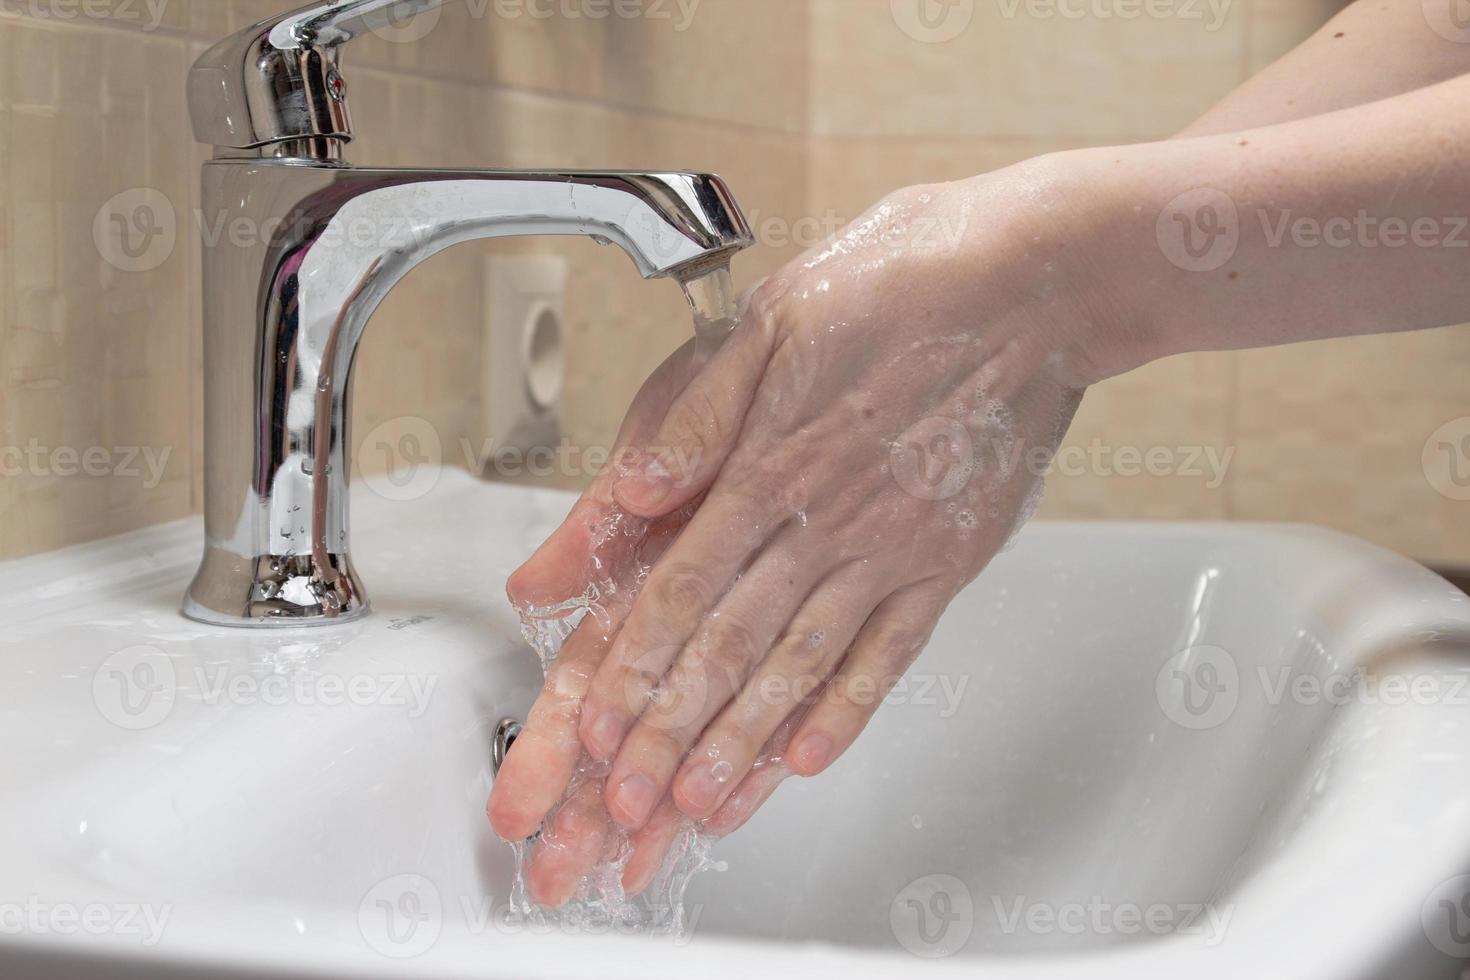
(285, 307)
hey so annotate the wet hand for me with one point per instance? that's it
(864, 444)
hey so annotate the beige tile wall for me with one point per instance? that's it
(812, 109)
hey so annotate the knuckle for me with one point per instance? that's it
(681, 593)
(762, 309)
(653, 739)
(678, 700)
(897, 645)
(694, 422)
(567, 680)
(757, 495)
(806, 643)
(633, 695)
(729, 651)
(741, 741)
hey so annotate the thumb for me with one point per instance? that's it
(700, 428)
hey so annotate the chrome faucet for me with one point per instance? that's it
(309, 247)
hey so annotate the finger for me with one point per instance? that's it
(534, 778)
(541, 762)
(697, 571)
(651, 846)
(570, 848)
(889, 642)
(558, 570)
(798, 667)
(699, 428)
(749, 796)
(769, 771)
(711, 669)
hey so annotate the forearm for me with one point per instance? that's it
(1372, 50)
(1347, 223)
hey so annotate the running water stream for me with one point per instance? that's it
(616, 572)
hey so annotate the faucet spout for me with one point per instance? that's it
(287, 303)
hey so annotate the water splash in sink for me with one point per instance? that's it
(616, 573)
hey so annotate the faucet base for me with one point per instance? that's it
(280, 591)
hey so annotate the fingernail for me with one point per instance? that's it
(700, 790)
(814, 752)
(646, 483)
(605, 734)
(637, 883)
(635, 797)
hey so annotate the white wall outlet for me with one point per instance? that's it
(524, 371)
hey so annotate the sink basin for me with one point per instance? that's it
(1131, 751)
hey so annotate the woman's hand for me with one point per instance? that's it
(871, 435)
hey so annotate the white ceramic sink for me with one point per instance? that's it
(1112, 762)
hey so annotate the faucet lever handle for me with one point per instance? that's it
(280, 80)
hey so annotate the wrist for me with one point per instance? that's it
(1099, 223)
